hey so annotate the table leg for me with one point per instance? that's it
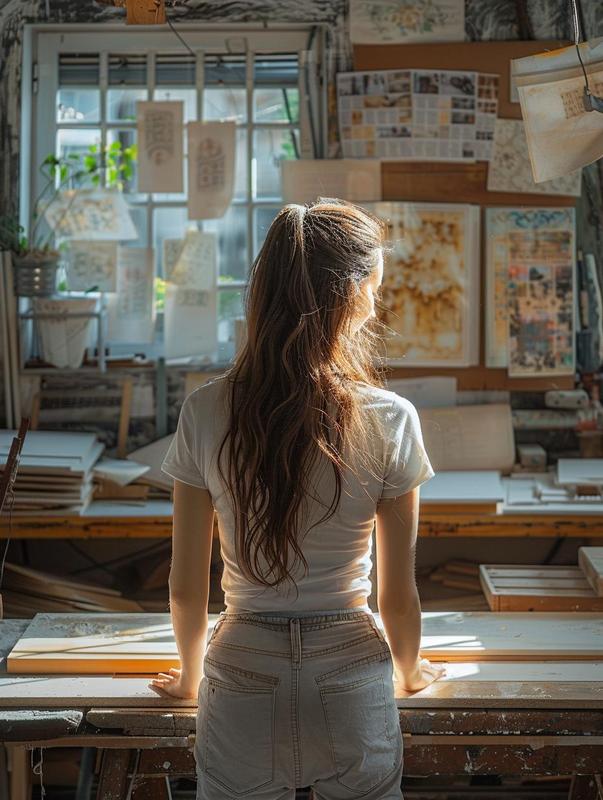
(585, 787)
(86, 773)
(20, 773)
(3, 771)
(113, 778)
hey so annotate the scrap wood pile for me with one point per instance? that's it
(27, 591)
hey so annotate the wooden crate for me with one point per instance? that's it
(515, 587)
(590, 560)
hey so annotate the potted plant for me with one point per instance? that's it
(36, 255)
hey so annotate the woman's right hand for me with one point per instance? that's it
(421, 676)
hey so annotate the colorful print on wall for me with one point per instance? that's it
(530, 278)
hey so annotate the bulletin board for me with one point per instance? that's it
(457, 182)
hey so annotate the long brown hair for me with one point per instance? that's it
(291, 389)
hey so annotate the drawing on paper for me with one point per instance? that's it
(91, 214)
(211, 161)
(382, 21)
(196, 264)
(92, 266)
(408, 114)
(510, 169)
(530, 290)
(131, 310)
(160, 146)
(431, 282)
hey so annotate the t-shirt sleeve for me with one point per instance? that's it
(407, 464)
(183, 459)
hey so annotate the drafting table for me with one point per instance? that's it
(486, 719)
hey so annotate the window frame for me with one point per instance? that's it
(43, 44)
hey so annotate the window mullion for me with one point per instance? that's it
(103, 86)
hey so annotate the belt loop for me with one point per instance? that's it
(295, 642)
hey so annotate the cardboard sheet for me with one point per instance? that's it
(469, 437)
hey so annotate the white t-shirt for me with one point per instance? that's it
(338, 551)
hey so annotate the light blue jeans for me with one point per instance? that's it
(297, 699)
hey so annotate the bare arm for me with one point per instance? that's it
(397, 594)
(189, 586)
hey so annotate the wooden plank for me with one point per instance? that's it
(448, 182)
(526, 588)
(144, 643)
(590, 560)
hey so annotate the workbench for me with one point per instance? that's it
(153, 519)
(507, 719)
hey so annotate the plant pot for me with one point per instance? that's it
(35, 274)
(63, 337)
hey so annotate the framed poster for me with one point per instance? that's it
(431, 283)
(530, 279)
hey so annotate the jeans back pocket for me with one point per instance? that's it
(364, 732)
(236, 731)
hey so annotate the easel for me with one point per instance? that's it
(8, 477)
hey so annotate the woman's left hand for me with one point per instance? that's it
(172, 684)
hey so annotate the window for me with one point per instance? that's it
(85, 93)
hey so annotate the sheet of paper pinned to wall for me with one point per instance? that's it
(211, 168)
(171, 253)
(131, 310)
(92, 265)
(194, 311)
(469, 437)
(530, 270)
(355, 180)
(429, 392)
(510, 169)
(562, 135)
(160, 145)
(406, 21)
(441, 115)
(431, 283)
(196, 263)
(91, 214)
(191, 301)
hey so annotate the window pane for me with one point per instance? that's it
(230, 308)
(276, 105)
(276, 70)
(225, 70)
(78, 105)
(175, 69)
(72, 141)
(188, 96)
(128, 70)
(126, 138)
(232, 243)
(121, 104)
(271, 146)
(168, 223)
(79, 69)
(262, 219)
(225, 104)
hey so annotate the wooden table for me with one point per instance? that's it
(530, 723)
(153, 519)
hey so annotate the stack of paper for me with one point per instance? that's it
(55, 471)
